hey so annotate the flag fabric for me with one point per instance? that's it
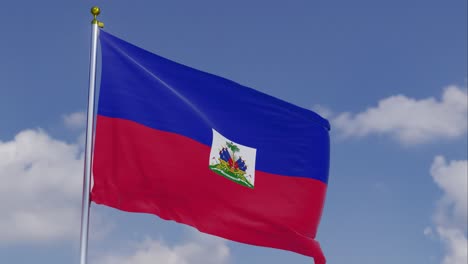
(207, 152)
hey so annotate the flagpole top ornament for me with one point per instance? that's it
(95, 11)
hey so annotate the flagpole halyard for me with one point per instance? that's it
(95, 11)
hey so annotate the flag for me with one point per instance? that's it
(204, 151)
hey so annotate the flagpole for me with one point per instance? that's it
(89, 138)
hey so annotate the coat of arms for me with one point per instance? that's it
(232, 160)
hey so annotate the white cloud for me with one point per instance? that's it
(456, 245)
(202, 249)
(323, 111)
(452, 178)
(75, 120)
(450, 216)
(428, 232)
(410, 120)
(40, 190)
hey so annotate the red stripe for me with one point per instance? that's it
(140, 169)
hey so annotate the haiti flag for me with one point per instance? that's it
(207, 152)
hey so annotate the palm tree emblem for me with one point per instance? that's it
(231, 166)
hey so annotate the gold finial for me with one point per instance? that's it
(96, 11)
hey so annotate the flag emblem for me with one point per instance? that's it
(232, 160)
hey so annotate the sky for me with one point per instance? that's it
(391, 76)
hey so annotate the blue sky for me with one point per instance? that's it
(391, 76)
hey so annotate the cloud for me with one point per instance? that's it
(202, 249)
(323, 111)
(410, 120)
(428, 232)
(40, 190)
(75, 120)
(456, 245)
(450, 216)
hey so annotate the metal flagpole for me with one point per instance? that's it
(89, 138)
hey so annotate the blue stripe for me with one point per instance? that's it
(143, 87)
